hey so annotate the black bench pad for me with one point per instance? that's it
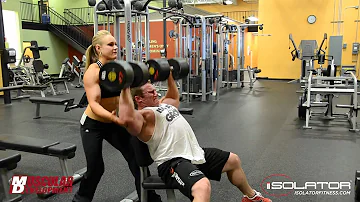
(155, 182)
(43, 87)
(57, 80)
(63, 149)
(11, 88)
(49, 100)
(188, 111)
(8, 158)
(24, 87)
(26, 144)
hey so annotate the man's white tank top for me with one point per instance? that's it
(173, 137)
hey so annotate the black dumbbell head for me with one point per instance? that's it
(141, 74)
(159, 69)
(116, 75)
(92, 2)
(180, 67)
(172, 3)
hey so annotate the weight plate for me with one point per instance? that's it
(141, 74)
(116, 75)
(159, 69)
(180, 67)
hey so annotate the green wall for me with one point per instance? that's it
(53, 56)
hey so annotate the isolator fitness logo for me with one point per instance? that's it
(278, 185)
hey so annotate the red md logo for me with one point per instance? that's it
(17, 185)
(40, 184)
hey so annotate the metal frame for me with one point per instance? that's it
(313, 87)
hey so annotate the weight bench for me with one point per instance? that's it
(24, 87)
(82, 103)
(8, 162)
(57, 81)
(149, 182)
(61, 150)
(51, 101)
(187, 111)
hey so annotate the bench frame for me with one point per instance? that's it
(20, 88)
(63, 159)
(68, 103)
(6, 173)
(170, 193)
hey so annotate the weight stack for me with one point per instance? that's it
(232, 75)
(195, 83)
(208, 84)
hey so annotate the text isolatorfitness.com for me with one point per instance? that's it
(279, 185)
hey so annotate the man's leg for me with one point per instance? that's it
(236, 175)
(215, 77)
(218, 161)
(201, 190)
(186, 177)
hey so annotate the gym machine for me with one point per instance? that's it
(329, 86)
(194, 41)
(322, 84)
(225, 31)
(73, 70)
(241, 57)
(307, 52)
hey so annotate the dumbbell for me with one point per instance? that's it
(117, 75)
(159, 69)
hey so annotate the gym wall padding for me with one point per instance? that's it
(282, 17)
(55, 54)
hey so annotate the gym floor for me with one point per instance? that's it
(259, 125)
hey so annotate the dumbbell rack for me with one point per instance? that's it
(318, 85)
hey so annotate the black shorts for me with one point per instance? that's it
(181, 173)
(215, 70)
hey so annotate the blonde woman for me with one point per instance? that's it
(99, 120)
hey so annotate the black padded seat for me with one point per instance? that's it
(63, 149)
(26, 144)
(49, 100)
(188, 111)
(8, 159)
(155, 182)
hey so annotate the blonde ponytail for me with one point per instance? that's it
(90, 56)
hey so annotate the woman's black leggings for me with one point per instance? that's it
(92, 134)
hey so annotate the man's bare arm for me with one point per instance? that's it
(172, 95)
(132, 119)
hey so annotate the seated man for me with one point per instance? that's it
(173, 146)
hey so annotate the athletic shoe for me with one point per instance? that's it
(257, 198)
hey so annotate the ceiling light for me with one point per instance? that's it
(253, 19)
(227, 2)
